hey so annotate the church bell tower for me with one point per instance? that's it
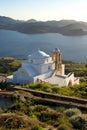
(57, 58)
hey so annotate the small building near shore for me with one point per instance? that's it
(43, 68)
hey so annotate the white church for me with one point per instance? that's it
(42, 68)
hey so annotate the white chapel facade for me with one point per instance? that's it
(42, 68)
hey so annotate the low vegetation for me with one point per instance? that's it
(8, 65)
(75, 91)
(79, 69)
(27, 114)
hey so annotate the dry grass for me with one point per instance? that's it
(17, 122)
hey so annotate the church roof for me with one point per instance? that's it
(38, 55)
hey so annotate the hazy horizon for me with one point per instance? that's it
(41, 20)
(44, 10)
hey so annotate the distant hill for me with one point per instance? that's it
(65, 27)
(5, 20)
(77, 28)
(31, 21)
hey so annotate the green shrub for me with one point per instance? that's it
(78, 121)
(44, 116)
(1, 111)
(72, 111)
(11, 121)
(37, 128)
(64, 127)
(40, 108)
(55, 89)
(60, 109)
(18, 106)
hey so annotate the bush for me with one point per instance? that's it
(60, 109)
(1, 111)
(11, 121)
(78, 121)
(44, 116)
(39, 108)
(37, 128)
(72, 111)
(55, 89)
(64, 127)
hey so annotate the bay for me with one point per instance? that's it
(19, 45)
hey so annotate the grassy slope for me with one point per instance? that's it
(75, 91)
(28, 115)
(38, 116)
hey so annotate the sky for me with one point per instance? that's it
(44, 10)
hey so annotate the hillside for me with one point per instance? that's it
(30, 112)
(65, 27)
(77, 28)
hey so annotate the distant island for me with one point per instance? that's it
(32, 26)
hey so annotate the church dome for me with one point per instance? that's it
(38, 55)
